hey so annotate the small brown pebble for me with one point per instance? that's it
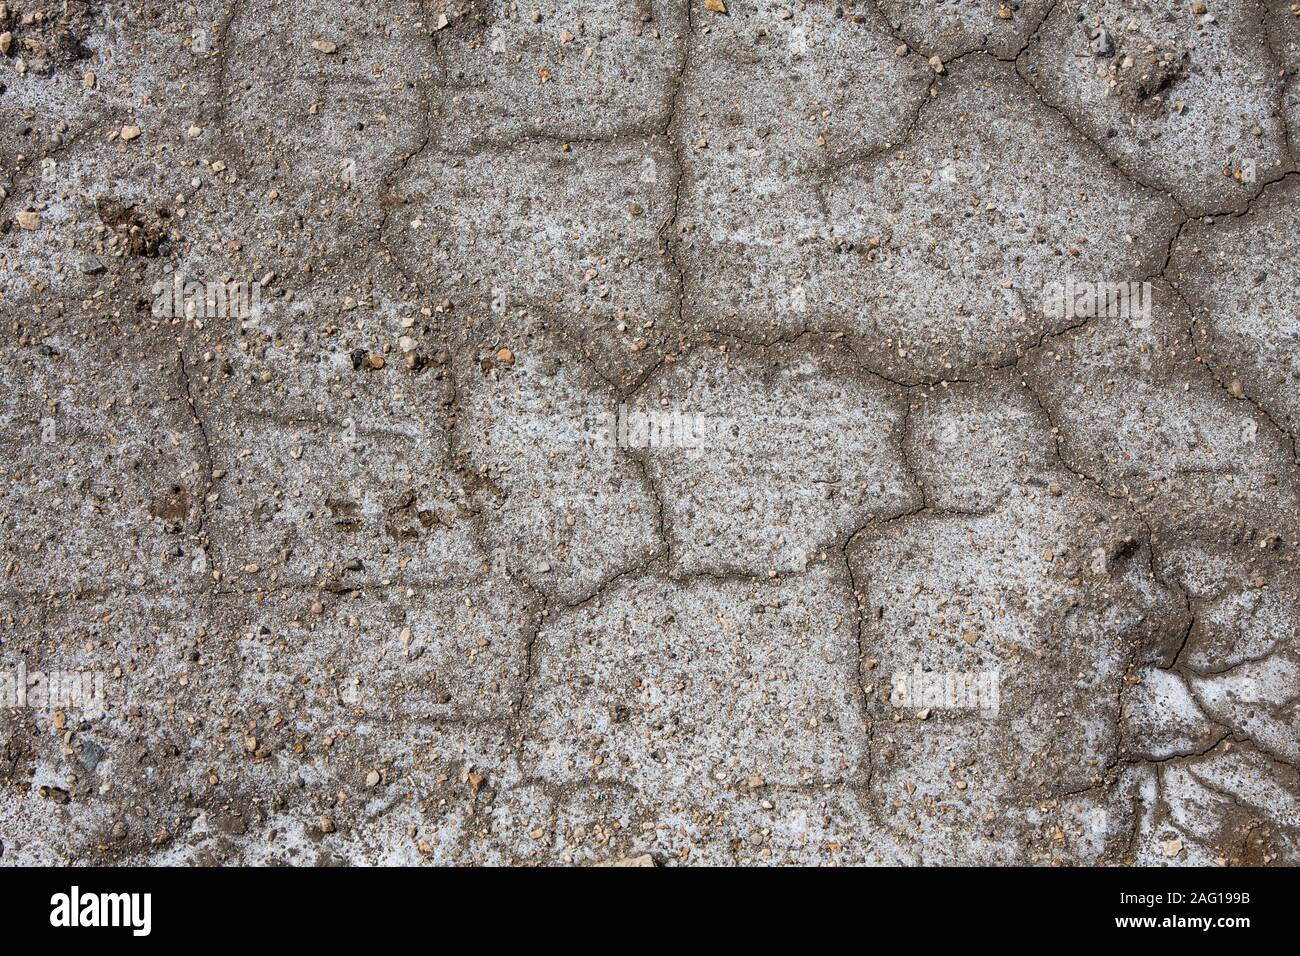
(326, 825)
(129, 133)
(505, 356)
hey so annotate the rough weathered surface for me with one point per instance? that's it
(1187, 102)
(653, 433)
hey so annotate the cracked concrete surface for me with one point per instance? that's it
(471, 432)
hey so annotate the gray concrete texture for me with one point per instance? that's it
(650, 432)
